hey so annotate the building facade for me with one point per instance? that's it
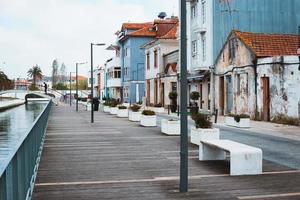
(259, 75)
(210, 22)
(155, 50)
(130, 39)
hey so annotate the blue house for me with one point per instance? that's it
(211, 21)
(130, 39)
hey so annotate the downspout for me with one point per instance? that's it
(255, 85)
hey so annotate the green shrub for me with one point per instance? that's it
(60, 86)
(173, 95)
(148, 112)
(158, 105)
(194, 95)
(202, 120)
(135, 108)
(283, 119)
(113, 103)
(238, 117)
(122, 107)
(107, 103)
(32, 87)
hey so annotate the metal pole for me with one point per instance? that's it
(70, 89)
(183, 101)
(77, 86)
(92, 85)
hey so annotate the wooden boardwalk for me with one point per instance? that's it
(117, 159)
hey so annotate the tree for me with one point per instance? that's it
(54, 72)
(35, 73)
(63, 73)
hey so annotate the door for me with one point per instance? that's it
(148, 92)
(229, 93)
(155, 91)
(162, 94)
(266, 99)
(201, 96)
(221, 95)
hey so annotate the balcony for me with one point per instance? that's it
(114, 82)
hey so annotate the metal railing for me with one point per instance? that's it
(19, 170)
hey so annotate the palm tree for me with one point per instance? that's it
(35, 73)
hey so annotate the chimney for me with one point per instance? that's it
(162, 15)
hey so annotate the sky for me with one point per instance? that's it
(35, 32)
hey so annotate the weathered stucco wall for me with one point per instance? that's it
(241, 72)
(284, 83)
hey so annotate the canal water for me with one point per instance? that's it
(15, 124)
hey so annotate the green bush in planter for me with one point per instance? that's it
(238, 118)
(202, 120)
(148, 112)
(194, 96)
(113, 104)
(158, 105)
(107, 103)
(122, 107)
(135, 108)
(173, 95)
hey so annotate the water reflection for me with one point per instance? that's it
(16, 122)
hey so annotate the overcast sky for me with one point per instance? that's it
(39, 31)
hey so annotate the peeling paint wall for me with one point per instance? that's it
(284, 83)
(242, 80)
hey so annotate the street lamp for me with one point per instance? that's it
(183, 101)
(92, 80)
(71, 88)
(77, 64)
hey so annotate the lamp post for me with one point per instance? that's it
(92, 80)
(70, 88)
(183, 101)
(77, 64)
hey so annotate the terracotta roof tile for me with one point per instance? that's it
(145, 31)
(135, 25)
(265, 45)
(171, 34)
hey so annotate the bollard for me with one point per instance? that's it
(168, 109)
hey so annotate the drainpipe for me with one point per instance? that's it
(255, 84)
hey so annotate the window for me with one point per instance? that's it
(194, 11)
(208, 88)
(194, 47)
(155, 58)
(148, 60)
(232, 49)
(238, 82)
(126, 52)
(126, 71)
(203, 11)
(174, 86)
(203, 41)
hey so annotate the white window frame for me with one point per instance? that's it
(203, 11)
(194, 11)
(203, 46)
(194, 47)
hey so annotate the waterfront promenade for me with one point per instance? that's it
(117, 159)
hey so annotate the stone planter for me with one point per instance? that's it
(126, 104)
(204, 134)
(113, 110)
(158, 109)
(170, 127)
(135, 116)
(106, 109)
(243, 123)
(88, 107)
(148, 120)
(122, 113)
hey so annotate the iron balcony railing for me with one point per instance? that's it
(19, 170)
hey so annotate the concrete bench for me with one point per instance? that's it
(244, 159)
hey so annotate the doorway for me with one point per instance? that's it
(221, 96)
(162, 94)
(266, 98)
(229, 93)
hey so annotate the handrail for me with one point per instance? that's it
(18, 171)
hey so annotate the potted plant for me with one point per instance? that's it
(195, 97)
(170, 126)
(106, 107)
(148, 118)
(203, 129)
(113, 107)
(122, 111)
(173, 97)
(239, 120)
(135, 114)
(158, 108)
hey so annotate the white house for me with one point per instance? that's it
(259, 75)
(164, 43)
